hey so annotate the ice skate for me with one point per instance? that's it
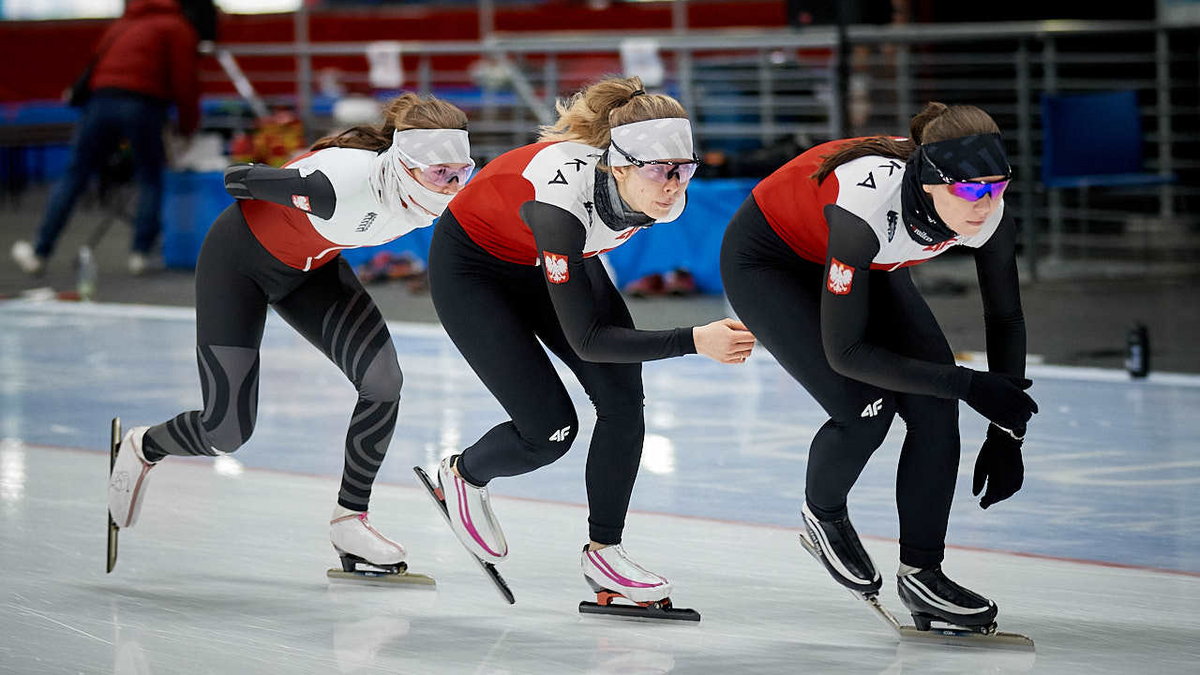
(612, 575)
(962, 616)
(471, 517)
(128, 478)
(366, 554)
(840, 551)
(438, 494)
(930, 596)
(114, 441)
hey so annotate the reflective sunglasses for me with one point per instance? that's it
(661, 170)
(974, 191)
(442, 175)
(970, 190)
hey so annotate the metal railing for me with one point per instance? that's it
(748, 89)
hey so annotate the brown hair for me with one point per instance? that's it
(407, 111)
(936, 122)
(589, 115)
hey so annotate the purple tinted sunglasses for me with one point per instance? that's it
(442, 175)
(974, 191)
(661, 170)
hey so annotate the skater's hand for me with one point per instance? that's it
(1001, 399)
(724, 341)
(999, 464)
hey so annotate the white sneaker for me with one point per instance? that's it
(27, 259)
(471, 516)
(138, 263)
(611, 569)
(127, 482)
(351, 534)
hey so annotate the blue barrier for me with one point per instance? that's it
(693, 242)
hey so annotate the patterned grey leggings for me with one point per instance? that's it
(236, 279)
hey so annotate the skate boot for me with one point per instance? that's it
(356, 542)
(611, 574)
(841, 552)
(930, 596)
(609, 570)
(368, 556)
(470, 513)
(128, 478)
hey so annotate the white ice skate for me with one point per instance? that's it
(470, 512)
(128, 478)
(611, 574)
(365, 553)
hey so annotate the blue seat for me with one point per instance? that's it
(1094, 140)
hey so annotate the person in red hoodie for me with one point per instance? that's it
(145, 61)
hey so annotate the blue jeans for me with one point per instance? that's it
(110, 117)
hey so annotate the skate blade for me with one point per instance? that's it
(652, 612)
(966, 637)
(488, 568)
(114, 441)
(373, 578)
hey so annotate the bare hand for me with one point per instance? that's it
(724, 341)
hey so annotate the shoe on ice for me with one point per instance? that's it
(610, 569)
(27, 258)
(127, 482)
(929, 595)
(352, 535)
(842, 552)
(470, 512)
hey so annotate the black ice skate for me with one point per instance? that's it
(840, 551)
(930, 596)
(436, 494)
(924, 631)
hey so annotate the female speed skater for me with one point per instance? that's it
(514, 262)
(279, 245)
(816, 262)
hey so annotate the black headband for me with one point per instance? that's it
(964, 158)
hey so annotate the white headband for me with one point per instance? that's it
(426, 147)
(665, 138)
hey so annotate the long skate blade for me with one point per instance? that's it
(113, 442)
(967, 638)
(871, 600)
(639, 612)
(373, 578)
(488, 568)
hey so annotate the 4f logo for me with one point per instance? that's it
(301, 202)
(561, 435)
(872, 409)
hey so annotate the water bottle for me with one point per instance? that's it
(1137, 351)
(87, 273)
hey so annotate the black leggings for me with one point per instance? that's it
(778, 295)
(236, 278)
(495, 312)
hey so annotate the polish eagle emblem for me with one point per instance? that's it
(556, 268)
(841, 277)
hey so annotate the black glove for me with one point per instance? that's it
(1001, 399)
(235, 180)
(999, 464)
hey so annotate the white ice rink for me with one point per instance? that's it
(1097, 559)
